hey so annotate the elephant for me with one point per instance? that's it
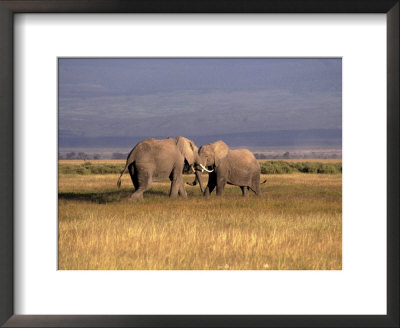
(236, 167)
(156, 160)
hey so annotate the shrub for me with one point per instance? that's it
(277, 167)
(282, 167)
(89, 168)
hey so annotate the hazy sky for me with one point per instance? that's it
(197, 97)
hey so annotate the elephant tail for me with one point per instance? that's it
(119, 182)
(129, 161)
(119, 179)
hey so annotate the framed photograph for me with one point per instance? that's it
(199, 164)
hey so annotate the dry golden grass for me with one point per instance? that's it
(296, 225)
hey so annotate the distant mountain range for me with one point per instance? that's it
(329, 138)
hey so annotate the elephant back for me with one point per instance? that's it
(243, 157)
(141, 149)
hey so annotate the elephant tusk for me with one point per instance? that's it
(194, 171)
(205, 169)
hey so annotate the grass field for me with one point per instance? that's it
(296, 225)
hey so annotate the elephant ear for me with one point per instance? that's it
(221, 149)
(186, 147)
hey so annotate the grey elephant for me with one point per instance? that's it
(236, 167)
(156, 160)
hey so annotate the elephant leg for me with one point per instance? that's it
(134, 179)
(212, 187)
(255, 184)
(257, 187)
(182, 192)
(173, 192)
(176, 183)
(220, 186)
(144, 180)
(212, 182)
(257, 190)
(244, 190)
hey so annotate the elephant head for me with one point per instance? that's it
(191, 154)
(212, 154)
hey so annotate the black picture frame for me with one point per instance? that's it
(7, 10)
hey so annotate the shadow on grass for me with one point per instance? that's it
(103, 197)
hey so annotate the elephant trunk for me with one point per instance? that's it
(198, 178)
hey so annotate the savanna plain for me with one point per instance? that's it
(295, 225)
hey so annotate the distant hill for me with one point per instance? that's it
(280, 138)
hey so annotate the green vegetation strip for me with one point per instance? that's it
(267, 167)
(89, 168)
(282, 167)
